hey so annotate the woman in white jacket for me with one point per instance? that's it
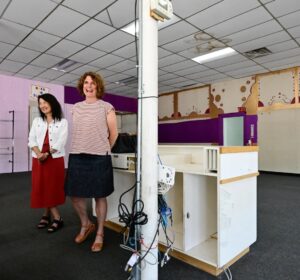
(47, 139)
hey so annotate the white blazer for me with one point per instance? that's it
(58, 134)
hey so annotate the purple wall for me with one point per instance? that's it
(198, 131)
(121, 103)
(204, 131)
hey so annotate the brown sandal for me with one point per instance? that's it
(97, 246)
(88, 230)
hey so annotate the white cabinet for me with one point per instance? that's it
(213, 202)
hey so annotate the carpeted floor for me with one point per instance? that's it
(30, 254)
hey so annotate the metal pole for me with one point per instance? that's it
(148, 41)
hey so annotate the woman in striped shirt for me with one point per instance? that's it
(90, 173)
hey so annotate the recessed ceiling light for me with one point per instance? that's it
(214, 55)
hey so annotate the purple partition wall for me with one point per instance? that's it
(204, 131)
(198, 131)
(121, 103)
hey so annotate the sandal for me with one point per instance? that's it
(44, 222)
(56, 225)
(87, 231)
(97, 246)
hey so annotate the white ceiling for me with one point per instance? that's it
(37, 34)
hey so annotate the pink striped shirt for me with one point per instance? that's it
(90, 131)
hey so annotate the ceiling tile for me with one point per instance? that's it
(91, 8)
(117, 77)
(105, 73)
(87, 55)
(283, 63)
(177, 80)
(175, 32)
(277, 37)
(168, 60)
(191, 70)
(126, 51)
(90, 32)
(122, 66)
(23, 55)
(65, 48)
(46, 60)
(246, 70)
(68, 77)
(32, 70)
(167, 77)
(290, 20)
(3, 5)
(19, 11)
(290, 44)
(185, 84)
(54, 24)
(113, 41)
(179, 66)
(202, 74)
(126, 16)
(283, 7)
(185, 9)
(295, 31)
(11, 66)
(39, 41)
(221, 12)
(107, 60)
(254, 32)
(131, 72)
(225, 61)
(163, 53)
(85, 68)
(12, 33)
(5, 49)
(239, 23)
(50, 74)
(236, 66)
(103, 17)
(278, 56)
(189, 41)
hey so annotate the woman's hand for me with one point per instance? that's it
(42, 156)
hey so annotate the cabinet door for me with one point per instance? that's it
(199, 209)
(236, 218)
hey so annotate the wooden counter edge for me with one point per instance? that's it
(238, 178)
(238, 149)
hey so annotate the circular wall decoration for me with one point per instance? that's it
(217, 98)
(243, 88)
(244, 99)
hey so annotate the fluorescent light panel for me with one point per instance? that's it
(214, 55)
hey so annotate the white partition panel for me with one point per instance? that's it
(200, 209)
(237, 164)
(236, 218)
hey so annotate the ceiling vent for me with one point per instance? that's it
(128, 81)
(64, 65)
(257, 53)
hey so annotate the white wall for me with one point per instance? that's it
(279, 139)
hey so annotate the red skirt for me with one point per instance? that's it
(47, 182)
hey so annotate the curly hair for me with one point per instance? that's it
(98, 81)
(57, 113)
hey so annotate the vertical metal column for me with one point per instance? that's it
(148, 102)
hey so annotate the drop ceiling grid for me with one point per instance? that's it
(88, 32)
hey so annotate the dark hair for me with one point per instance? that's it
(57, 113)
(97, 79)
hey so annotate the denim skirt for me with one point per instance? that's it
(89, 176)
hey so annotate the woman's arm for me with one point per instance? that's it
(112, 127)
